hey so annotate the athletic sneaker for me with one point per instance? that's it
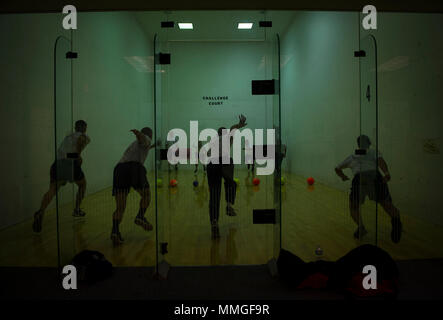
(396, 230)
(142, 222)
(78, 213)
(38, 219)
(230, 211)
(116, 238)
(358, 234)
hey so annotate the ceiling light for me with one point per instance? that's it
(245, 25)
(187, 26)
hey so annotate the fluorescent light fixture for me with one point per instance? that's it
(186, 25)
(245, 25)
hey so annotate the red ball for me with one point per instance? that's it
(173, 183)
(310, 181)
(256, 181)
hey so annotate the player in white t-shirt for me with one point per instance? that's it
(368, 181)
(131, 172)
(66, 168)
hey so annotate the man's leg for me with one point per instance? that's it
(46, 200)
(230, 188)
(355, 201)
(49, 195)
(394, 213)
(120, 203)
(214, 183)
(354, 207)
(145, 200)
(80, 195)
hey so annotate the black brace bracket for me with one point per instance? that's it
(164, 248)
(263, 216)
(71, 55)
(167, 24)
(260, 87)
(265, 24)
(163, 58)
(359, 54)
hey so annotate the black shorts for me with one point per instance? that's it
(127, 175)
(369, 184)
(66, 170)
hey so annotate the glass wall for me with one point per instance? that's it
(408, 77)
(114, 96)
(321, 123)
(367, 184)
(65, 168)
(325, 98)
(206, 81)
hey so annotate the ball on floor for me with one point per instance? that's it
(310, 181)
(237, 181)
(195, 183)
(159, 182)
(173, 183)
(256, 181)
(282, 180)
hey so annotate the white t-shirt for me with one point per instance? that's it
(69, 145)
(137, 151)
(361, 162)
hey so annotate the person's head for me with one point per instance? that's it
(220, 130)
(80, 126)
(363, 142)
(147, 132)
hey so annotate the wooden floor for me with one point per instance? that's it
(315, 216)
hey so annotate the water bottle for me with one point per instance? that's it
(319, 251)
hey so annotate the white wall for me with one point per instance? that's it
(320, 97)
(201, 69)
(410, 71)
(26, 111)
(113, 85)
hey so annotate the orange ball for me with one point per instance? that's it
(310, 181)
(256, 181)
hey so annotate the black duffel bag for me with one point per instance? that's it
(92, 266)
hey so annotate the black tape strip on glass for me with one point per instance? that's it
(265, 24)
(163, 154)
(263, 87)
(163, 58)
(263, 216)
(167, 24)
(360, 53)
(360, 151)
(71, 55)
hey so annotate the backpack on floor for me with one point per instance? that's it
(345, 275)
(92, 266)
(349, 272)
(301, 275)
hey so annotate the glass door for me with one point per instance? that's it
(280, 146)
(201, 86)
(369, 185)
(62, 169)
